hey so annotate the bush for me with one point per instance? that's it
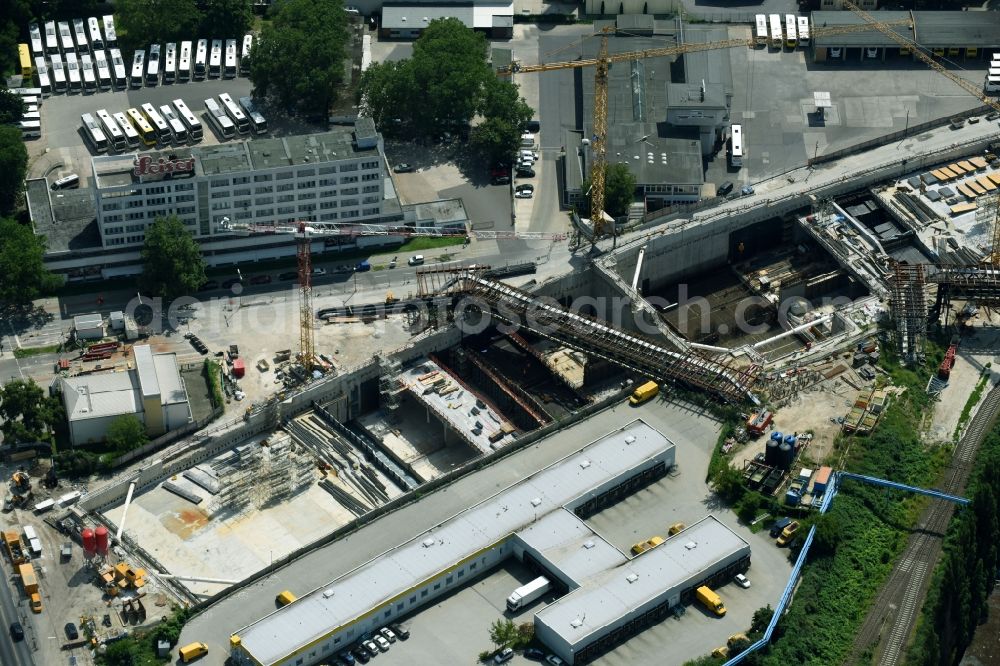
(213, 375)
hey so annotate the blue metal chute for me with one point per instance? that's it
(962, 501)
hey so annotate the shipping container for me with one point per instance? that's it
(822, 480)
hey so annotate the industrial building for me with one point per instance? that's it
(407, 20)
(537, 520)
(336, 175)
(88, 326)
(152, 391)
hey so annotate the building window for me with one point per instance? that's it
(328, 193)
(242, 192)
(324, 182)
(286, 210)
(283, 176)
(306, 184)
(307, 208)
(437, 586)
(368, 189)
(282, 198)
(265, 212)
(349, 179)
(349, 190)
(369, 200)
(263, 189)
(413, 599)
(262, 178)
(260, 201)
(328, 169)
(387, 613)
(220, 182)
(241, 180)
(336, 640)
(184, 197)
(326, 217)
(472, 566)
(304, 173)
(369, 165)
(245, 203)
(347, 203)
(221, 194)
(399, 608)
(307, 195)
(447, 581)
(461, 572)
(371, 176)
(243, 215)
(327, 205)
(349, 167)
(284, 187)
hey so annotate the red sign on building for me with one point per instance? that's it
(145, 166)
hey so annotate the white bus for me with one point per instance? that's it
(235, 113)
(223, 125)
(191, 121)
(229, 71)
(103, 70)
(138, 68)
(58, 74)
(30, 129)
(110, 36)
(257, 121)
(117, 68)
(37, 48)
(170, 63)
(245, 56)
(51, 38)
(175, 123)
(776, 37)
(791, 34)
(184, 62)
(736, 147)
(803, 31)
(992, 83)
(201, 60)
(80, 30)
(73, 72)
(215, 59)
(65, 37)
(760, 35)
(89, 75)
(94, 134)
(94, 31)
(131, 136)
(112, 131)
(42, 72)
(157, 121)
(153, 65)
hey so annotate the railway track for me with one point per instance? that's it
(891, 619)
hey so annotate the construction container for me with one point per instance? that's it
(822, 479)
(758, 423)
(239, 368)
(28, 579)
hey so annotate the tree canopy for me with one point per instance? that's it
(298, 59)
(145, 22)
(449, 74)
(13, 166)
(11, 107)
(172, 260)
(619, 189)
(228, 19)
(29, 415)
(126, 433)
(24, 274)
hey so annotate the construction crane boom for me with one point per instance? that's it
(325, 229)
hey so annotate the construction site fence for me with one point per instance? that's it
(414, 495)
(899, 135)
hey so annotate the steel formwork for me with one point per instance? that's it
(908, 309)
(591, 336)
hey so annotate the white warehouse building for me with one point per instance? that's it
(538, 520)
(331, 176)
(152, 391)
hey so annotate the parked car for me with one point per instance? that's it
(288, 275)
(504, 655)
(381, 642)
(779, 525)
(319, 271)
(400, 631)
(363, 266)
(724, 189)
(525, 173)
(71, 632)
(534, 654)
(871, 53)
(371, 647)
(747, 190)
(525, 187)
(835, 52)
(403, 168)
(361, 654)
(501, 180)
(389, 634)
(742, 581)
(260, 279)
(209, 286)
(532, 126)
(16, 631)
(348, 658)
(554, 660)
(523, 194)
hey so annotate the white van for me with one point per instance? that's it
(528, 140)
(416, 260)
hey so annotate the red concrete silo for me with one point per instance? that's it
(101, 533)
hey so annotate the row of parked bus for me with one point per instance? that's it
(31, 120)
(101, 70)
(993, 75)
(769, 31)
(85, 37)
(143, 127)
(229, 118)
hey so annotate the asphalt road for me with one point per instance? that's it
(11, 653)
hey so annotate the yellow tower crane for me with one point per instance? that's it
(602, 64)
(993, 258)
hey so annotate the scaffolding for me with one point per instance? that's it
(591, 336)
(908, 309)
(390, 384)
(256, 476)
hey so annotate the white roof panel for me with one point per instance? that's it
(569, 544)
(169, 379)
(146, 370)
(358, 592)
(94, 396)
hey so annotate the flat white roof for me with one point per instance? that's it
(169, 379)
(92, 320)
(612, 594)
(396, 572)
(146, 370)
(94, 396)
(571, 546)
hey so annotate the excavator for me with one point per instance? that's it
(18, 490)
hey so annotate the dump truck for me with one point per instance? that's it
(710, 600)
(788, 533)
(30, 584)
(12, 542)
(525, 594)
(643, 393)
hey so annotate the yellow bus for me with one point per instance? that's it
(27, 68)
(142, 126)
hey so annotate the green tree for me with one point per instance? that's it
(298, 58)
(504, 113)
(619, 189)
(450, 71)
(385, 88)
(728, 483)
(13, 166)
(503, 633)
(226, 18)
(173, 265)
(11, 107)
(29, 415)
(761, 618)
(24, 274)
(145, 22)
(126, 433)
